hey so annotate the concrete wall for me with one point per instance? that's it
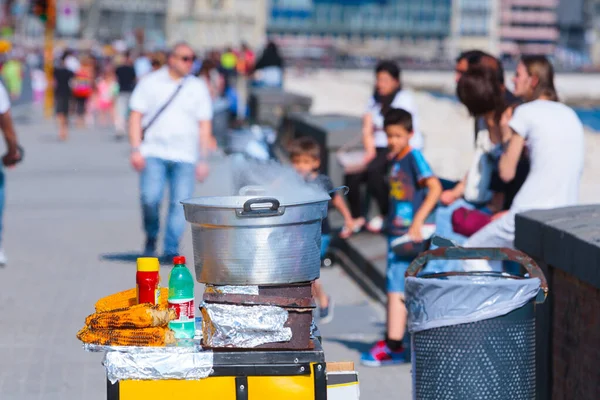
(565, 244)
(575, 338)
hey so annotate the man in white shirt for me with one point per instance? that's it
(174, 110)
(12, 155)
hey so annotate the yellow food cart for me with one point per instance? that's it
(156, 374)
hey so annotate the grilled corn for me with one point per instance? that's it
(139, 316)
(127, 298)
(156, 336)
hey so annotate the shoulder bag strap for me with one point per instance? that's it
(164, 106)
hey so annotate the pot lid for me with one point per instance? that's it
(258, 201)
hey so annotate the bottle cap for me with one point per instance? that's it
(178, 260)
(148, 264)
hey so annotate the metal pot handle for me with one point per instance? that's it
(274, 210)
(344, 189)
(477, 253)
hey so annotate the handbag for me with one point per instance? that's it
(164, 106)
(466, 222)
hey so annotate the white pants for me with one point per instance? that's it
(499, 233)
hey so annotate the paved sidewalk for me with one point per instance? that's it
(71, 233)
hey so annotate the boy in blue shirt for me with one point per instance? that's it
(414, 193)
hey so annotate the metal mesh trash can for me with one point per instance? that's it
(473, 333)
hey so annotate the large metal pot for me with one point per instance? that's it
(250, 240)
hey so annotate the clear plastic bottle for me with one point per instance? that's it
(181, 299)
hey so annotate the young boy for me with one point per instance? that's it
(305, 154)
(414, 193)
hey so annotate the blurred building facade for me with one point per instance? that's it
(528, 27)
(424, 28)
(107, 20)
(202, 23)
(475, 26)
(572, 24)
(592, 21)
(395, 27)
(217, 23)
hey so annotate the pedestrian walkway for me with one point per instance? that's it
(72, 231)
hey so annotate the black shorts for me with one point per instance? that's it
(61, 104)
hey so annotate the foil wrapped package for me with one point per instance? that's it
(229, 289)
(183, 346)
(157, 365)
(226, 325)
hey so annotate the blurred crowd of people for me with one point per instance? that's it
(125, 91)
(95, 87)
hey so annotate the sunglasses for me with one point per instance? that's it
(187, 59)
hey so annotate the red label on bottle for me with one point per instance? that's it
(184, 309)
(148, 294)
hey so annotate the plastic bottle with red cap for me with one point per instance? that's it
(181, 299)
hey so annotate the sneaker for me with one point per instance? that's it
(326, 313)
(380, 355)
(150, 248)
(375, 225)
(3, 260)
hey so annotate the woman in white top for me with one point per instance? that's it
(388, 94)
(553, 134)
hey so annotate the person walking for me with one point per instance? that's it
(83, 88)
(268, 71)
(126, 78)
(62, 97)
(12, 74)
(107, 92)
(13, 154)
(142, 65)
(170, 136)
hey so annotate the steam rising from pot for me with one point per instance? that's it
(237, 175)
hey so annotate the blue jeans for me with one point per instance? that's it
(325, 241)
(180, 178)
(443, 228)
(396, 268)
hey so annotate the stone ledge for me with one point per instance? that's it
(565, 238)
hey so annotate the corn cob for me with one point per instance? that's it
(139, 316)
(157, 336)
(127, 298)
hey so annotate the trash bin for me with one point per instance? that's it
(473, 333)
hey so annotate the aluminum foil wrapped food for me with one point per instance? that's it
(182, 346)
(157, 365)
(229, 289)
(226, 325)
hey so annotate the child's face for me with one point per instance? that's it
(305, 164)
(398, 138)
